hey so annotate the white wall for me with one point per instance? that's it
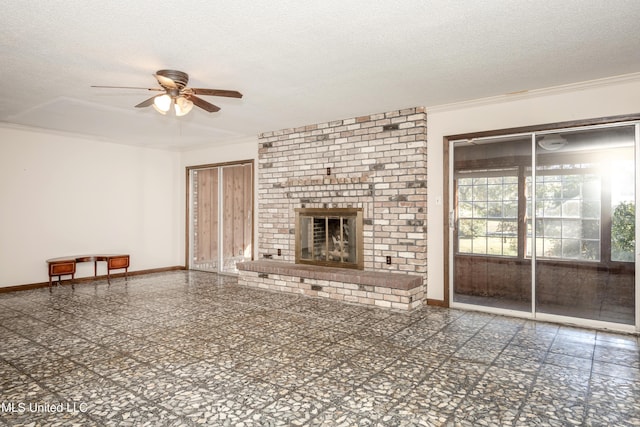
(606, 97)
(63, 195)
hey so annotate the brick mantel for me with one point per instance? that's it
(305, 182)
(376, 162)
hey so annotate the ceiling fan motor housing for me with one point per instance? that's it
(180, 78)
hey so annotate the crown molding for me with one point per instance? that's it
(535, 93)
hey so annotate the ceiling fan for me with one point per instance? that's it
(174, 85)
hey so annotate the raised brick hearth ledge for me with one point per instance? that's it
(334, 274)
(374, 288)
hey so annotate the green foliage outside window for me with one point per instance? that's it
(623, 232)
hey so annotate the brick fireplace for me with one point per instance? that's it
(329, 237)
(375, 164)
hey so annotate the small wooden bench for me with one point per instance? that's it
(66, 266)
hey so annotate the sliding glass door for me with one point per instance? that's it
(220, 216)
(585, 224)
(490, 265)
(543, 224)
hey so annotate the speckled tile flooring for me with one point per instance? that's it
(193, 348)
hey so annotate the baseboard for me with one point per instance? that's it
(88, 279)
(437, 302)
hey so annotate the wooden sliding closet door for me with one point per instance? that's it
(237, 211)
(205, 222)
(221, 219)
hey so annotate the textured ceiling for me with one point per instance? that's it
(295, 62)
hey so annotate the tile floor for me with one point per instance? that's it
(193, 348)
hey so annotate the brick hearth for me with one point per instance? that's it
(388, 290)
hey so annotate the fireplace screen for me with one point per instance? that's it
(329, 237)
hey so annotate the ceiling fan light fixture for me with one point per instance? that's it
(159, 110)
(182, 106)
(552, 142)
(162, 103)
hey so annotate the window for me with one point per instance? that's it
(623, 216)
(488, 212)
(567, 212)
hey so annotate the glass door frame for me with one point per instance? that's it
(449, 207)
(190, 214)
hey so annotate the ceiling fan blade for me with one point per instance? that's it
(204, 104)
(128, 87)
(166, 81)
(217, 92)
(146, 103)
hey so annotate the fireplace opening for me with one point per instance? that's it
(329, 237)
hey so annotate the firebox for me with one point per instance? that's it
(329, 237)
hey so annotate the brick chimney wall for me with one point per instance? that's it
(376, 162)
